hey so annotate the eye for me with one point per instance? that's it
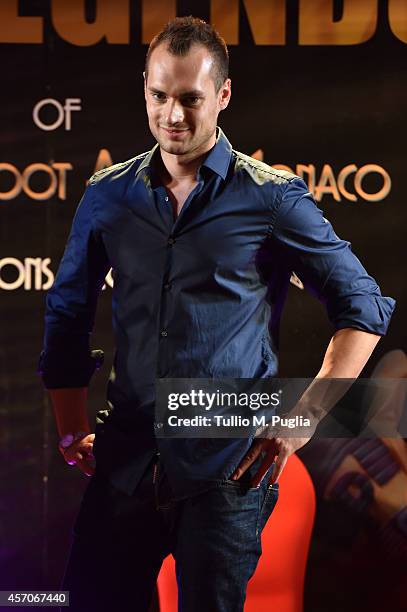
(160, 97)
(191, 100)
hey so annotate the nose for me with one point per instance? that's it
(174, 112)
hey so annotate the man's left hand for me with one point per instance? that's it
(278, 449)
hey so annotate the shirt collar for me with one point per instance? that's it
(217, 159)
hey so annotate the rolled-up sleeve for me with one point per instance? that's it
(326, 264)
(66, 359)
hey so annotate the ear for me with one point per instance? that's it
(225, 94)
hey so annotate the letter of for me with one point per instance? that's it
(71, 104)
(317, 25)
(36, 114)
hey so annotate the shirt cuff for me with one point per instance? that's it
(369, 313)
(65, 371)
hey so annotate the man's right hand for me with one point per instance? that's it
(80, 453)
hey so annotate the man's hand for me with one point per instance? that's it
(277, 448)
(80, 453)
(345, 357)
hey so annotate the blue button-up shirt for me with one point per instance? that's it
(199, 296)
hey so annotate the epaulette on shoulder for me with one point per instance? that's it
(97, 176)
(262, 172)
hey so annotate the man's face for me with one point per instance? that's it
(182, 104)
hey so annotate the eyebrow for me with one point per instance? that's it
(185, 94)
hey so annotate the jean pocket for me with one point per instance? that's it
(267, 506)
(237, 485)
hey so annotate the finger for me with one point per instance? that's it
(72, 457)
(264, 467)
(85, 467)
(248, 459)
(87, 448)
(278, 468)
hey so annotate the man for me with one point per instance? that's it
(202, 240)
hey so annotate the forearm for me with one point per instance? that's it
(346, 355)
(70, 409)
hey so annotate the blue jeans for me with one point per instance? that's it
(120, 541)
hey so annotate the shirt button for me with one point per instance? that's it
(166, 198)
(167, 286)
(164, 333)
(171, 241)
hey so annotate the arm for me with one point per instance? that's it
(347, 353)
(66, 362)
(359, 313)
(71, 416)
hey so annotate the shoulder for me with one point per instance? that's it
(259, 171)
(123, 170)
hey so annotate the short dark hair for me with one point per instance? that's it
(183, 32)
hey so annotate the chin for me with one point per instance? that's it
(171, 147)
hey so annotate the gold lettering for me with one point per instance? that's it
(33, 264)
(14, 191)
(154, 15)
(398, 18)
(11, 261)
(16, 29)
(258, 154)
(35, 195)
(61, 168)
(343, 175)
(267, 20)
(316, 25)
(111, 23)
(327, 184)
(48, 273)
(382, 193)
(104, 160)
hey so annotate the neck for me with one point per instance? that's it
(184, 167)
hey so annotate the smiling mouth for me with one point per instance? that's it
(174, 131)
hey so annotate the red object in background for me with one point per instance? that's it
(278, 583)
